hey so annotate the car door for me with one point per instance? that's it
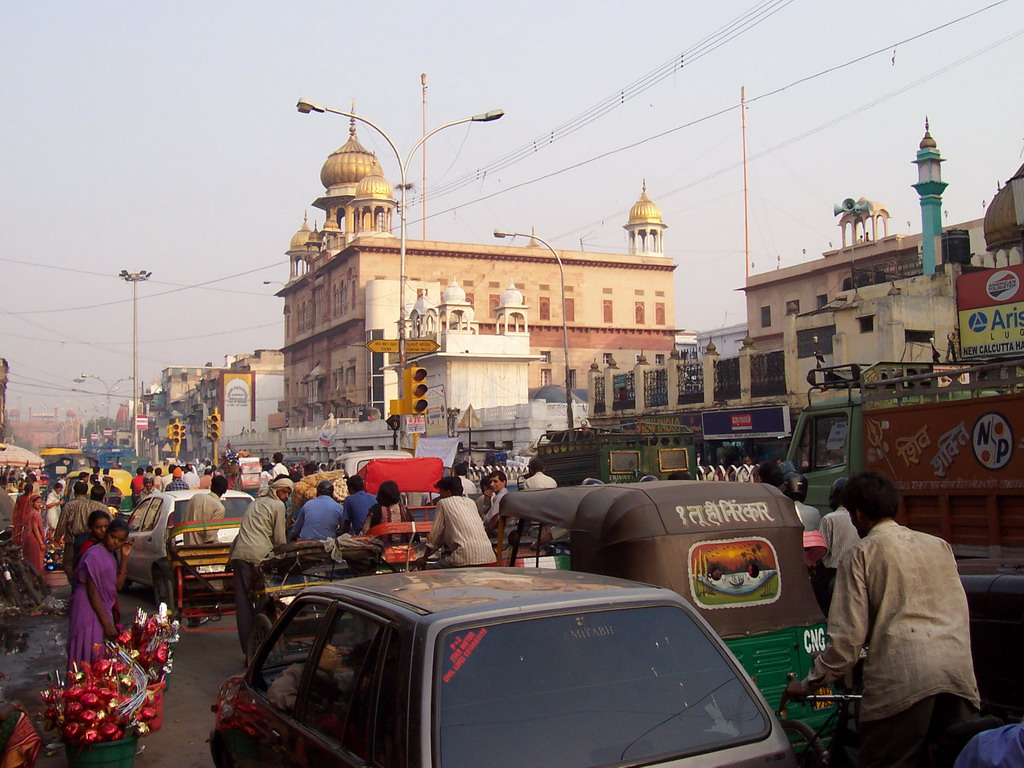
(265, 732)
(147, 547)
(349, 714)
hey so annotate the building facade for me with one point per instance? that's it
(343, 291)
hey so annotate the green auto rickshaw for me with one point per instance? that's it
(734, 550)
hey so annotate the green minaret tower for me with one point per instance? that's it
(930, 187)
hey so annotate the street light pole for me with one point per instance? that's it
(306, 106)
(565, 325)
(135, 278)
(109, 389)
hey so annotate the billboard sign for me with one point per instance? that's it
(990, 312)
(239, 405)
(747, 422)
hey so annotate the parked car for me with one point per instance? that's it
(150, 521)
(493, 666)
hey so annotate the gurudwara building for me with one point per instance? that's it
(343, 290)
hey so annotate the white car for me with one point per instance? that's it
(148, 527)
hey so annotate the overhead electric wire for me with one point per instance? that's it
(146, 296)
(730, 108)
(725, 34)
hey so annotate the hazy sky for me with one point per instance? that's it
(164, 137)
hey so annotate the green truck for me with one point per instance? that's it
(950, 436)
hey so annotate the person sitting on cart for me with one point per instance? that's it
(205, 508)
(388, 509)
(319, 518)
(457, 529)
(356, 506)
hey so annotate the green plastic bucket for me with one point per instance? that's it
(105, 754)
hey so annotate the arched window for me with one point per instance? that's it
(638, 311)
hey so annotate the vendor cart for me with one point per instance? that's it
(199, 587)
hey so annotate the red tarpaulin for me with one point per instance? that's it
(410, 474)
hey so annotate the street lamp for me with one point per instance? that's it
(109, 389)
(135, 278)
(565, 326)
(306, 106)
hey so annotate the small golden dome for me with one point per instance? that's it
(1001, 229)
(927, 142)
(374, 187)
(645, 210)
(300, 240)
(349, 164)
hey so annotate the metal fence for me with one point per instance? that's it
(656, 387)
(691, 383)
(768, 374)
(727, 379)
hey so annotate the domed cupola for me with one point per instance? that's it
(372, 207)
(512, 297)
(349, 164)
(453, 294)
(1002, 229)
(645, 227)
(373, 187)
(301, 239)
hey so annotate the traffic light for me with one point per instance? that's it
(414, 390)
(213, 425)
(171, 431)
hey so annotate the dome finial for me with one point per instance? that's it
(644, 185)
(927, 142)
(352, 121)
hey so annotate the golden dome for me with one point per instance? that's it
(300, 240)
(349, 164)
(374, 187)
(645, 210)
(1001, 228)
(927, 142)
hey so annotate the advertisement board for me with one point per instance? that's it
(239, 403)
(990, 312)
(970, 444)
(771, 421)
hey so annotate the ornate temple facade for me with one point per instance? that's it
(343, 290)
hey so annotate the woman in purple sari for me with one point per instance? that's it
(97, 579)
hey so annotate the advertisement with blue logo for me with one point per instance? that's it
(990, 309)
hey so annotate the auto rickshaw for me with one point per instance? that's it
(734, 550)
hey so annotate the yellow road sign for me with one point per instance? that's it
(382, 346)
(421, 346)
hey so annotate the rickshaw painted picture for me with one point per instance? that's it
(734, 573)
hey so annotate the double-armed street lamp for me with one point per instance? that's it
(306, 106)
(565, 326)
(135, 278)
(109, 389)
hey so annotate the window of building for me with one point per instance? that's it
(544, 287)
(493, 284)
(866, 324)
(659, 359)
(570, 310)
(545, 377)
(545, 307)
(918, 337)
(569, 289)
(822, 300)
(793, 307)
(659, 313)
(469, 299)
(608, 310)
(607, 358)
(545, 356)
(766, 317)
(638, 292)
(812, 339)
(606, 291)
(468, 283)
(571, 375)
(492, 303)
(639, 313)
(659, 294)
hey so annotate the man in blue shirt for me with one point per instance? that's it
(356, 505)
(318, 518)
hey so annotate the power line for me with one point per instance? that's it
(723, 111)
(725, 34)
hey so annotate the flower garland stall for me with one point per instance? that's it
(99, 710)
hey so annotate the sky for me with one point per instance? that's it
(164, 137)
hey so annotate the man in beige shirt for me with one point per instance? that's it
(898, 594)
(203, 508)
(457, 529)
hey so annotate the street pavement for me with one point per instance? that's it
(33, 647)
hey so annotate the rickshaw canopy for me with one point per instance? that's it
(735, 550)
(411, 474)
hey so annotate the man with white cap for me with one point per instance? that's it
(262, 529)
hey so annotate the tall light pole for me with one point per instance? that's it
(110, 389)
(306, 106)
(565, 326)
(135, 278)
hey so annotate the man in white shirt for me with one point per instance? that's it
(497, 480)
(279, 467)
(190, 476)
(536, 478)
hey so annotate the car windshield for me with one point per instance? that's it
(234, 506)
(588, 689)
